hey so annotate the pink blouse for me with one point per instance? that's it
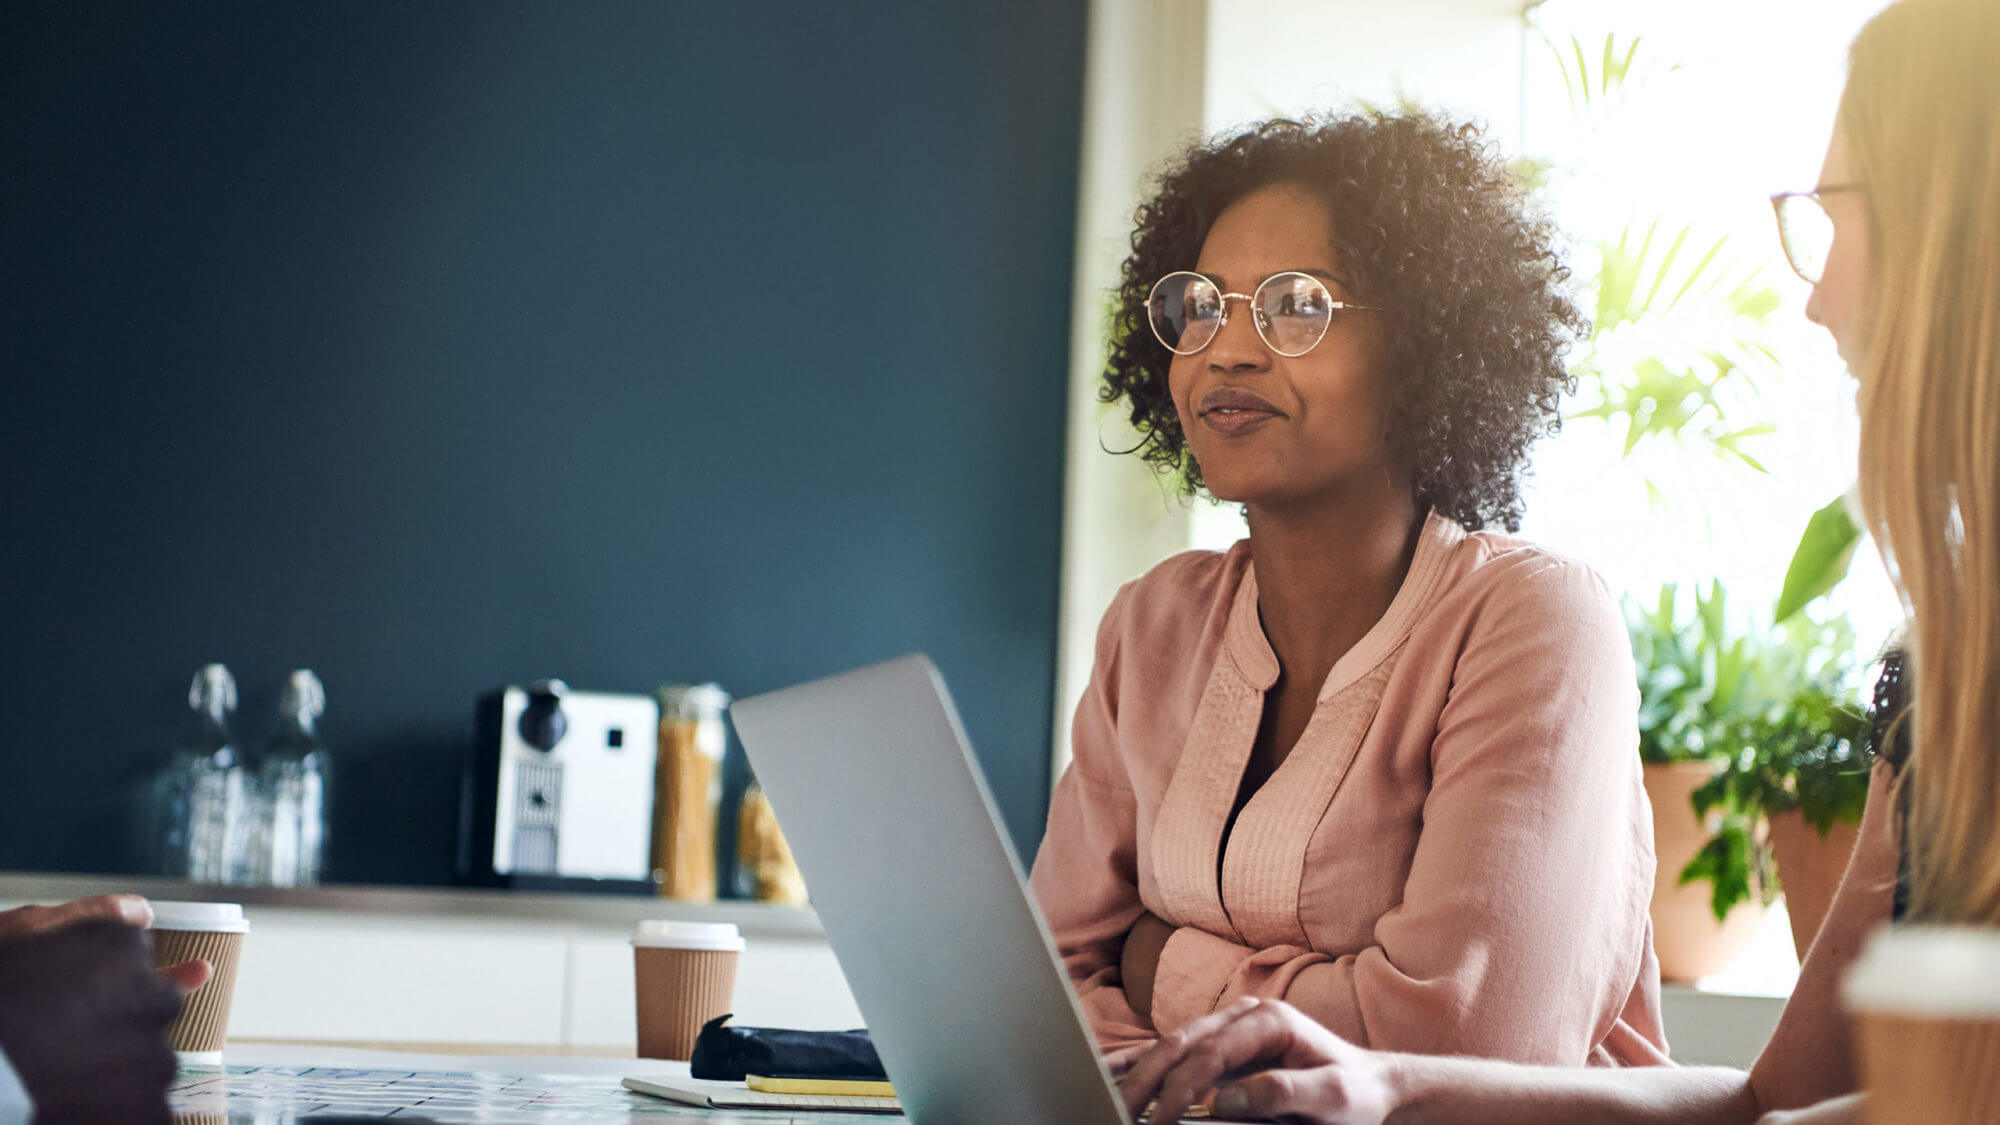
(1455, 858)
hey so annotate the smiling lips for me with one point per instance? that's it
(1229, 411)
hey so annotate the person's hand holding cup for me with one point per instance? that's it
(83, 1013)
(210, 932)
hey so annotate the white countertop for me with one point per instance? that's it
(754, 918)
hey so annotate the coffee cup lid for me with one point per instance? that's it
(1938, 971)
(212, 917)
(662, 934)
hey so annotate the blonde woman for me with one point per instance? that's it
(1908, 283)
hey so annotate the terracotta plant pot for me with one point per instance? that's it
(1689, 941)
(1809, 870)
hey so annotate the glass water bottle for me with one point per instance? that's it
(200, 796)
(292, 790)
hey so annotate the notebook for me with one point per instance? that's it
(734, 1095)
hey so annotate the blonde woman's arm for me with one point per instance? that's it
(1810, 1057)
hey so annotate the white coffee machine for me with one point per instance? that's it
(559, 792)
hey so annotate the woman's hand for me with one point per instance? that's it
(1839, 1111)
(1264, 1059)
(1140, 961)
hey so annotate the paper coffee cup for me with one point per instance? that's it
(1926, 1007)
(211, 932)
(686, 976)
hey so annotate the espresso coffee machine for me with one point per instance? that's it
(558, 794)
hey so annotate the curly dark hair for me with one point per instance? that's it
(1432, 227)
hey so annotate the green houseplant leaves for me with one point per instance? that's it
(1825, 552)
(1769, 707)
(1809, 755)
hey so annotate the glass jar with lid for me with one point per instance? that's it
(688, 790)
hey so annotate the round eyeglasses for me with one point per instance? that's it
(1805, 230)
(1291, 311)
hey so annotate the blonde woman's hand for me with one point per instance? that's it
(1264, 1059)
(1839, 1111)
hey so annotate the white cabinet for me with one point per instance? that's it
(310, 974)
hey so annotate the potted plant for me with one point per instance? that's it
(1696, 678)
(1755, 748)
(1802, 770)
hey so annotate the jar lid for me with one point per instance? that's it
(663, 934)
(212, 917)
(693, 701)
(1951, 972)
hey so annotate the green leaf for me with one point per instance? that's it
(1700, 270)
(1750, 462)
(1664, 267)
(1725, 861)
(1825, 552)
(1532, 173)
(1562, 67)
(1582, 69)
(1625, 64)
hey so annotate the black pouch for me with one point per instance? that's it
(727, 1054)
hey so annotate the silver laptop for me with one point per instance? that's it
(922, 897)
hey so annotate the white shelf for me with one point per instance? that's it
(594, 911)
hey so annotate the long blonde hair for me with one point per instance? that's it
(1922, 117)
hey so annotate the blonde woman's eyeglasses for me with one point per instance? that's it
(1805, 229)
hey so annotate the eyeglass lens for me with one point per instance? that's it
(1292, 312)
(1806, 232)
(1186, 312)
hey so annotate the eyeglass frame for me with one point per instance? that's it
(1256, 319)
(1778, 214)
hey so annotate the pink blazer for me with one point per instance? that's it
(1456, 857)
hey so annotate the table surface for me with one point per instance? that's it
(283, 1082)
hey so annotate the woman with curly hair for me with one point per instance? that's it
(1900, 240)
(1377, 759)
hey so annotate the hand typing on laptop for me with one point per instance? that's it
(1265, 1061)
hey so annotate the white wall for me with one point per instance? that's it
(1270, 57)
(1142, 101)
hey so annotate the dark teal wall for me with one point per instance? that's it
(438, 345)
